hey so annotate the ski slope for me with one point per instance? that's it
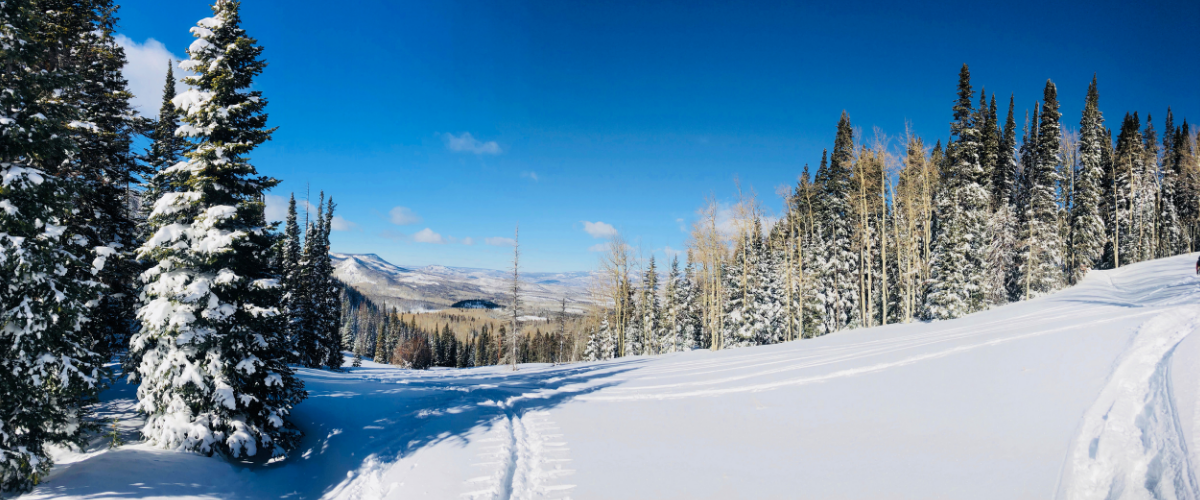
(1087, 393)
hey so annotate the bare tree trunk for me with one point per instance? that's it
(516, 294)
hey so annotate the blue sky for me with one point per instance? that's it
(473, 116)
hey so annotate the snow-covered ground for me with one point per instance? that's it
(1088, 393)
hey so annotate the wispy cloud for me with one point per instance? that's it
(500, 241)
(146, 70)
(340, 224)
(403, 216)
(599, 247)
(468, 241)
(467, 143)
(671, 252)
(428, 236)
(531, 175)
(599, 229)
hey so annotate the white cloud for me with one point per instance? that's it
(599, 229)
(402, 216)
(671, 252)
(146, 71)
(530, 174)
(599, 247)
(468, 241)
(340, 224)
(500, 241)
(469, 144)
(428, 236)
(727, 224)
(277, 206)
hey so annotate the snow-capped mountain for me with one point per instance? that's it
(435, 287)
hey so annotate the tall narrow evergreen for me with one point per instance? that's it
(328, 293)
(1006, 163)
(1087, 234)
(291, 278)
(839, 261)
(1041, 253)
(958, 281)
(166, 149)
(214, 376)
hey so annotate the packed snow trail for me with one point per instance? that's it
(1132, 444)
(1088, 393)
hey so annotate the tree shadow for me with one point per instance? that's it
(355, 421)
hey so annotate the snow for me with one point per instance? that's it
(1091, 392)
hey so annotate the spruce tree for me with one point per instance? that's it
(838, 260)
(213, 367)
(1041, 252)
(957, 284)
(1087, 235)
(51, 371)
(328, 293)
(166, 149)
(105, 164)
(291, 278)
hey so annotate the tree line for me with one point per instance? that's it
(162, 259)
(388, 336)
(881, 236)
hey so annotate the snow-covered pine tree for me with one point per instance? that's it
(291, 279)
(51, 371)
(769, 299)
(1041, 250)
(1005, 173)
(651, 311)
(304, 303)
(166, 149)
(1187, 199)
(688, 323)
(1087, 226)
(105, 163)
(328, 293)
(608, 340)
(1149, 193)
(957, 284)
(1170, 228)
(1131, 206)
(838, 262)
(738, 329)
(214, 373)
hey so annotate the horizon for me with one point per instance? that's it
(438, 128)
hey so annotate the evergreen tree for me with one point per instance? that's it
(105, 164)
(957, 284)
(291, 279)
(46, 263)
(166, 149)
(328, 293)
(838, 260)
(1041, 252)
(213, 367)
(1087, 225)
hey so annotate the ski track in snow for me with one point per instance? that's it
(527, 459)
(1131, 444)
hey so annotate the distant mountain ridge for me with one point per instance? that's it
(435, 287)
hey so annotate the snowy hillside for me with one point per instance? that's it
(436, 287)
(1088, 393)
